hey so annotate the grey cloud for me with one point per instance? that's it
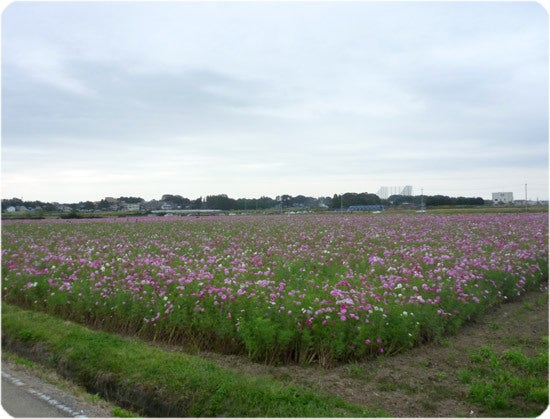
(127, 103)
(315, 90)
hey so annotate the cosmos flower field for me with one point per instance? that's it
(305, 288)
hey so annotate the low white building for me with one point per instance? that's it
(503, 197)
(133, 207)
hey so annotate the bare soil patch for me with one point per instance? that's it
(422, 382)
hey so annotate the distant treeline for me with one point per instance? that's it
(434, 200)
(225, 203)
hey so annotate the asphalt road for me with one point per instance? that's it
(21, 401)
(25, 395)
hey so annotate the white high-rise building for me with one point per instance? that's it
(407, 190)
(383, 192)
(503, 197)
(386, 191)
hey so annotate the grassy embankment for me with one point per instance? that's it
(154, 382)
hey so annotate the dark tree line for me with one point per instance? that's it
(433, 200)
(16, 202)
(437, 200)
(177, 200)
(351, 198)
(223, 202)
(226, 203)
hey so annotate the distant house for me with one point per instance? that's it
(64, 208)
(151, 205)
(503, 197)
(133, 207)
(11, 209)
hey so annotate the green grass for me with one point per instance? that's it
(118, 412)
(510, 383)
(18, 360)
(155, 382)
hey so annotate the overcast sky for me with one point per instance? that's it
(270, 98)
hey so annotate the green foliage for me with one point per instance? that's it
(352, 198)
(543, 266)
(510, 384)
(71, 215)
(144, 279)
(18, 360)
(153, 382)
(119, 412)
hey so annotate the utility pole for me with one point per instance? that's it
(526, 197)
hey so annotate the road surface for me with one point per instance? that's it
(26, 395)
(21, 401)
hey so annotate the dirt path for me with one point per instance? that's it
(423, 381)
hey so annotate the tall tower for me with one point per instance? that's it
(383, 192)
(407, 190)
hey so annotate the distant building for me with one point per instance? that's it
(10, 209)
(407, 190)
(63, 207)
(365, 208)
(529, 202)
(386, 191)
(503, 197)
(133, 207)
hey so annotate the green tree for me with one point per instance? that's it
(196, 204)
(131, 199)
(104, 205)
(13, 202)
(87, 205)
(335, 203)
(221, 202)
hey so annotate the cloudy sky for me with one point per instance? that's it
(270, 98)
